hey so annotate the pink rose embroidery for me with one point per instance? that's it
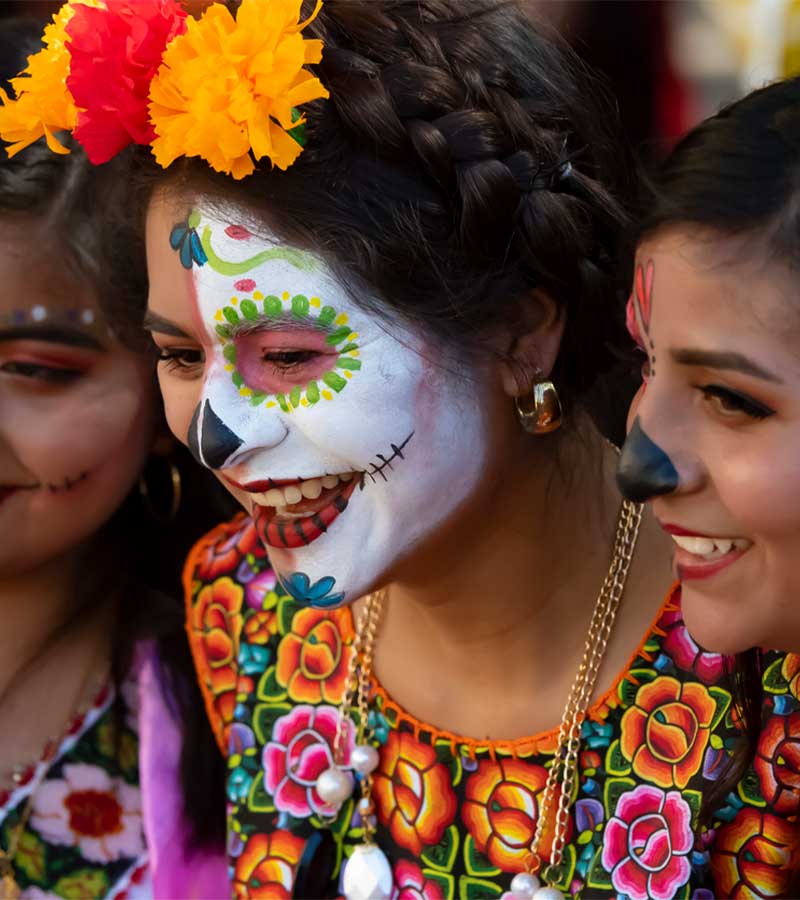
(686, 654)
(411, 884)
(647, 843)
(300, 750)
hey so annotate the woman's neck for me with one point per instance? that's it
(500, 607)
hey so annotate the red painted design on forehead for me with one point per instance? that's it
(632, 324)
(644, 292)
(238, 232)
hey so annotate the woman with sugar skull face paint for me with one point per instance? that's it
(379, 240)
(91, 633)
(714, 429)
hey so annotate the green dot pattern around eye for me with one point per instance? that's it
(258, 306)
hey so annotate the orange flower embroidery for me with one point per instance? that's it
(266, 867)
(790, 669)
(216, 625)
(260, 626)
(666, 731)
(751, 856)
(234, 540)
(412, 792)
(777, 763)
(502, 808)
(314, 656)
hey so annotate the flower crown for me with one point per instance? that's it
(116, 72)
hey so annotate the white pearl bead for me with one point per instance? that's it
(523, 885)
(548, 893)
(334, 786)
(364, 759)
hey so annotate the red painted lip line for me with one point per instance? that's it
(286, 533)
(266, 484)
(689, 569)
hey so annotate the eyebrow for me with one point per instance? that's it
(154, 322)
(52, 334)
(711, 359)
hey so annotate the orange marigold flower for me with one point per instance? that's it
(266, 866)
(228, 88)
(313, 658)
(666, 732)
(43, 105)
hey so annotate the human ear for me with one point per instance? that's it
(528, 344)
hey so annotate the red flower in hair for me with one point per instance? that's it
(115, 54)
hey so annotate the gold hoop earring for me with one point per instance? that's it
(540, 412)
(175, 493)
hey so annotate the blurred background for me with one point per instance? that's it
(669, 62)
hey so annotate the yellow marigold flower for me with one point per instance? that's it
(43, 105)
(227, 88)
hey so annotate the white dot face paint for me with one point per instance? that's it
(335, 429)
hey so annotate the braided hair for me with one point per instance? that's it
(463, 159)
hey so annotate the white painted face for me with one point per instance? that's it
(335, 429)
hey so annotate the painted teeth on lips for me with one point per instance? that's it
(309, 489)
(710, 547)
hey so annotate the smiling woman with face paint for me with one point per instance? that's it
(95, 686)
(715, 429)
(372, 321)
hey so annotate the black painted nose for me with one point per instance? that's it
(644, 471)
(210, 440)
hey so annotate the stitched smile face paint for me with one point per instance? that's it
(715, 437)
(332, 426)
(78, 411)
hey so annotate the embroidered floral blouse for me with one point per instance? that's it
(84, 837)
(456, 817)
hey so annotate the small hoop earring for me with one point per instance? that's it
(175, 493)
(540, 412)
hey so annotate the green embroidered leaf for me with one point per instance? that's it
(272, 305)
(294, 396)
(347, 362)
(445, 883)
(616, 764)
(30, 856)
(477, 889)
(475, 862)
(287, 609)
(258, 800)
(81, 884)
(598, 877)
(231, 315)
(299, 305)
(564, 872)
(312, 392)
(335, 382)
(229, 352)
(748, 789)
(628, 689)
(326, 315)
(774, 681)
(265, 716)
(723, 700)
(443, 855)
(695, 801)
(249, 309)
(269, 688)
(339, 335)
(613, 790)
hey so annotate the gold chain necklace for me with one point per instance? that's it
(367, 874)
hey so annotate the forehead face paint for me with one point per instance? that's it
(348, 445)
(644, 470)
(639, 312)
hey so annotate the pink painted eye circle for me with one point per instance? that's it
(274, 362)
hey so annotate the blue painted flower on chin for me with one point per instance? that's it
(319, 595)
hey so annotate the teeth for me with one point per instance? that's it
(312, 488)
(309, 488)
(293, 494)
(712, 548)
